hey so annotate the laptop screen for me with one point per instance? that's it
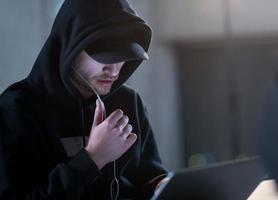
(233, 180)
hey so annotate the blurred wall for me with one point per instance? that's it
(189, 19)
(21, 38)
(156, 80)
(226, 52)
(217, 61)
(24, 28)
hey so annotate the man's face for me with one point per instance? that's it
(100, 76)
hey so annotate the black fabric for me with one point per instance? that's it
(37, 113)
(116, 50)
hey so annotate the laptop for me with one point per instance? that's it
(233, 180)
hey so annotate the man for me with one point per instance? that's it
(55, 142)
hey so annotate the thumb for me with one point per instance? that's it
(98, 118)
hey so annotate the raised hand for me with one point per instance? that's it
(111, 138)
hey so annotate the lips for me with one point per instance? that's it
(106, 82)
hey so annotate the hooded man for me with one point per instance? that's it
(55, 139)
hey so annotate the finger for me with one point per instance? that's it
(132, 137)
(98, 117)
(122, 122)
(126, 131)
(114, 117)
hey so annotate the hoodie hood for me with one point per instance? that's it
(77, 26)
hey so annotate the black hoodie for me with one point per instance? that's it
(42, 114)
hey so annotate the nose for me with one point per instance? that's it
(112, 69)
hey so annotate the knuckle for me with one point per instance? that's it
(119, 111)
(106, 123)
(126, 136)
(123, 140)
(126, 118)
(117, 130)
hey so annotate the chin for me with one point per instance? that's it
(103, 92)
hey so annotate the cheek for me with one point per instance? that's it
(92, 70)
(120, 68)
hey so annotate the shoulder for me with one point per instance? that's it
(129, 98)
(129, 94)
(125, 98)
(16, 96)
(126, 90)
(17, 111)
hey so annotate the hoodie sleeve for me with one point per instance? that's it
(23, 174)
(150, 166)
